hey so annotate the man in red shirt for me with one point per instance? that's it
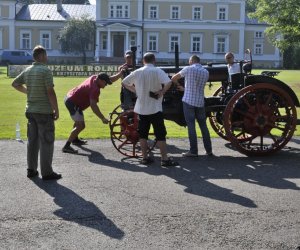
(80, 98)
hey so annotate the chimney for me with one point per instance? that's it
(59, 6)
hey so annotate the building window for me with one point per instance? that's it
(258, 49)
(259, 34)
(133, 40)
(221, 44)
(104, 42)
(25, 38)
(196, 43)
(222, 13)
(45, 39)
(119, 10)
(153, 12)
(197, 13)
(175, 12)
(173, 40)
(152, 42)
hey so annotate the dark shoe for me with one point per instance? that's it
(210, 154)
(189, 154)
(79, 142)
(146, 161)
(169, 163)
(32, 173)
(53, 176)
(69, 149)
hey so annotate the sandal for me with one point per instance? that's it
(169, 163)
(146, 161)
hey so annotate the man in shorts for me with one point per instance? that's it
(147, 83)
(80, 98)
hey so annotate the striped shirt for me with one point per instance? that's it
(37, 78)
(195, 78)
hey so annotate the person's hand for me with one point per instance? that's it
(180, 88)
(104, 120)
(125, 67)
(159, 93)
(55, 115)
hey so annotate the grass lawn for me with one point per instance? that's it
(13, 106)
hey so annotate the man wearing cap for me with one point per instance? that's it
(127, 97)
(80, 98)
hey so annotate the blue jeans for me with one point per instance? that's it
(192, 114)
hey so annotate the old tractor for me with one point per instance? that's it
(255, 113)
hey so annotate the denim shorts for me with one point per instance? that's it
(75, 112)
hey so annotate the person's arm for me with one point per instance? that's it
(175, 79)
(122, 67)
(53, 101)
(97, 112)
(18, 87)
(165, 88)
(128, 82)
(117, 76)
(129, 87)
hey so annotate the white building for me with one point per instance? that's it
(209, 28)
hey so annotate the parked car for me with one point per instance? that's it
(16, 57)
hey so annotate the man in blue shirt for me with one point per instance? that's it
(195, 78)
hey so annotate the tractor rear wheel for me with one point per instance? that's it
(264, 115)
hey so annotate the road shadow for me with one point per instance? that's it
(76, 209)
(196, 173)
(194, 183)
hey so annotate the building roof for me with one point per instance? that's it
(48, 12)
(128, 24)
(253, 21)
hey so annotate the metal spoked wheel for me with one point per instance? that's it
(216, 118)
(124, 133)
(264, 115)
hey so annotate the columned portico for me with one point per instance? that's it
(12, 36)
(113, 39)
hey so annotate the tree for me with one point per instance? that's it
(77, 35)
(283, 18)
(251, 5)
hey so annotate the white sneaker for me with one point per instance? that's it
(189, 154)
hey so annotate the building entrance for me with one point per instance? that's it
(118, 45)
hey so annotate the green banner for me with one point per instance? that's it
(68, 70)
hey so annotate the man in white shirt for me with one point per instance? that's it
(147, 83)
(232, 66)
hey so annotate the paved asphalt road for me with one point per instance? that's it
(106, 201)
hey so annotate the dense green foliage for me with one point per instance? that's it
(283, 17)
(251, 5)
(77, 35)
